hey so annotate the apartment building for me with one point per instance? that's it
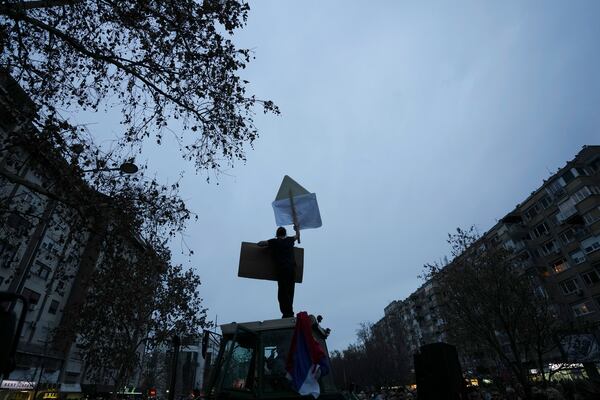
(416, 320)
(555, 235)
(46, 254)
(33, 256)
(556, 232)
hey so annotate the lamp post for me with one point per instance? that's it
(126, 168)
(176, 346)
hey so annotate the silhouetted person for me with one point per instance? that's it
(282, 247)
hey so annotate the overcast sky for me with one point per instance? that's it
(407, 119)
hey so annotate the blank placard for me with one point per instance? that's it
(257, 262)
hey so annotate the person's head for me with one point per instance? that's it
(281, 232)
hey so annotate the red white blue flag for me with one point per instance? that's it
(307, 360)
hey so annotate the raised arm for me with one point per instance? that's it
(263, 243)
(297, 236)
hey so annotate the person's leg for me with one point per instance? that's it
(281, 297)
(288, 294)
(292, 286)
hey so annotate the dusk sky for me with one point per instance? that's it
(407, 119)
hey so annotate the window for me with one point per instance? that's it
(549, 247)
(567, 236)
(577, 256)
(53, 307)
(591, 277)
(509, 245)
(581, 194)
(556, 187)
(51, 246)
(592, 216)
(560, 182)
(32, 297)
(587, 307)
(574, 173)
(595, 164)
(541, 292)
(7, 253)
(532, 212)
(560, 265)
(591, 244)
(60, 287)
(578, 171)
(47, 245)
(541, 229)
(568, 176)
(567, 208)
(545, 202)
(241, 369)
(42, 270)
(275, 348)
(569, 286)
(553, 218)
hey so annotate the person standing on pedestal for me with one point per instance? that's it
(282, 247)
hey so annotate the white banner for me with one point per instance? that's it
(17, 385)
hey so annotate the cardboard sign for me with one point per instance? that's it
(257, 262)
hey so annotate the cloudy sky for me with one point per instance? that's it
(407, 119)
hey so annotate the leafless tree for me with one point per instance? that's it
(491, 303)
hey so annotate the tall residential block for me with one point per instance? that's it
(554, 234)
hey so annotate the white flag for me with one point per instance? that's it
(307, 211)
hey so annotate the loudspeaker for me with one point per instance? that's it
(438, 372)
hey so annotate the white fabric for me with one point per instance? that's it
(307, 211)
(311, 383)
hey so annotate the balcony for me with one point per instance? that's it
(568, 207)
(564, 215)
(512, 219)
(560, 266)
(581, 233)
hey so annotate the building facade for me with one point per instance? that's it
(554, 234)
(47, 253)
(417, 319)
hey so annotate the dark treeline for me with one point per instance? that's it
(376, 360)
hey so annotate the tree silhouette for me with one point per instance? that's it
(157, 61)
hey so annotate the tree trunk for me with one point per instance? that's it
(541, 369)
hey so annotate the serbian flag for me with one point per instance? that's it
(306, 361)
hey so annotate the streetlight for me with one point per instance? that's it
(126, 168)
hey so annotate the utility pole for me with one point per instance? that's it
(176, 344)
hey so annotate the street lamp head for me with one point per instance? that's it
(128, 168)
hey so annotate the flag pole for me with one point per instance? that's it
(294, 216)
